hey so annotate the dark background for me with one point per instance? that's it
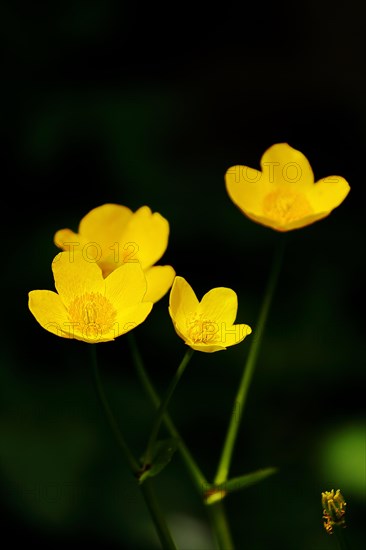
(106, 102)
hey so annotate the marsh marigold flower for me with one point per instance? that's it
(111, 235)
(207, 325)
(283, 194)
(87, 306)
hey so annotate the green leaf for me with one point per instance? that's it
(162, 455)
(215, 493)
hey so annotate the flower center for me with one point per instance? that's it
(285, 206)
(92, 314)
(201, 330)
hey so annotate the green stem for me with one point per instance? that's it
(133, 463)
(241, 397)
(165, 537)
(219, 522)
(216, 513)
(164, 405)
(147, 490)
(191, 465)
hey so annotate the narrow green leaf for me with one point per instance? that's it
(162, 455)
(215, 493)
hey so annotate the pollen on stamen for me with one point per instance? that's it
(285, 206)
(92, 314)
(201, 330)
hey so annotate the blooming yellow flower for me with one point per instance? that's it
(87, 306)
(283, 195)
(111, 235)
(207, 325)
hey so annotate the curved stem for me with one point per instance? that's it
(164, 405)
(241, 396)
(216, 513)
(147, 490)
(134, 465)
(191, 465)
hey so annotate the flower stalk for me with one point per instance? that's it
(218, 520)
(242, 393)
(190, 463)
(133, 463)
(163, 407)
(157, 517)
(216, 513)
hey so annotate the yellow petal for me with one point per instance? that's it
(74, 276)
(246, 188)
(328, 193)
(125, 287)
(181, 331)
(105, 224)
(101, 232)
(283, 227)
(159, 280)
(283, 165)
(182, 302)
(68, 240)
(83, 334)
(149, 233)
(128, 319)
(220, 305)
(230, 336)
(48, 309)
(206, 348)
(99, 237)
(226, 336)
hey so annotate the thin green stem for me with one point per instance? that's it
(165, 537)
(133, 463)
(216, 513)
(164, 405)
(220, 525)
(191, 465)
(241, 396)
(147, 489)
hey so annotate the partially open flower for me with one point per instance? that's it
(88, 307)
(207, 325)
(283, 195)
(112, 235)
(334, 510)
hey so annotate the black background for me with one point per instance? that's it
(109, 102)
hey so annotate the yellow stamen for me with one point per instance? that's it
(285, 206)
(92, 314)
(201, 330)
(334, 510)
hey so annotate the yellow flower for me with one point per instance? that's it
(283, 195)
(207, 325)
(111, 235)
(88, 307)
